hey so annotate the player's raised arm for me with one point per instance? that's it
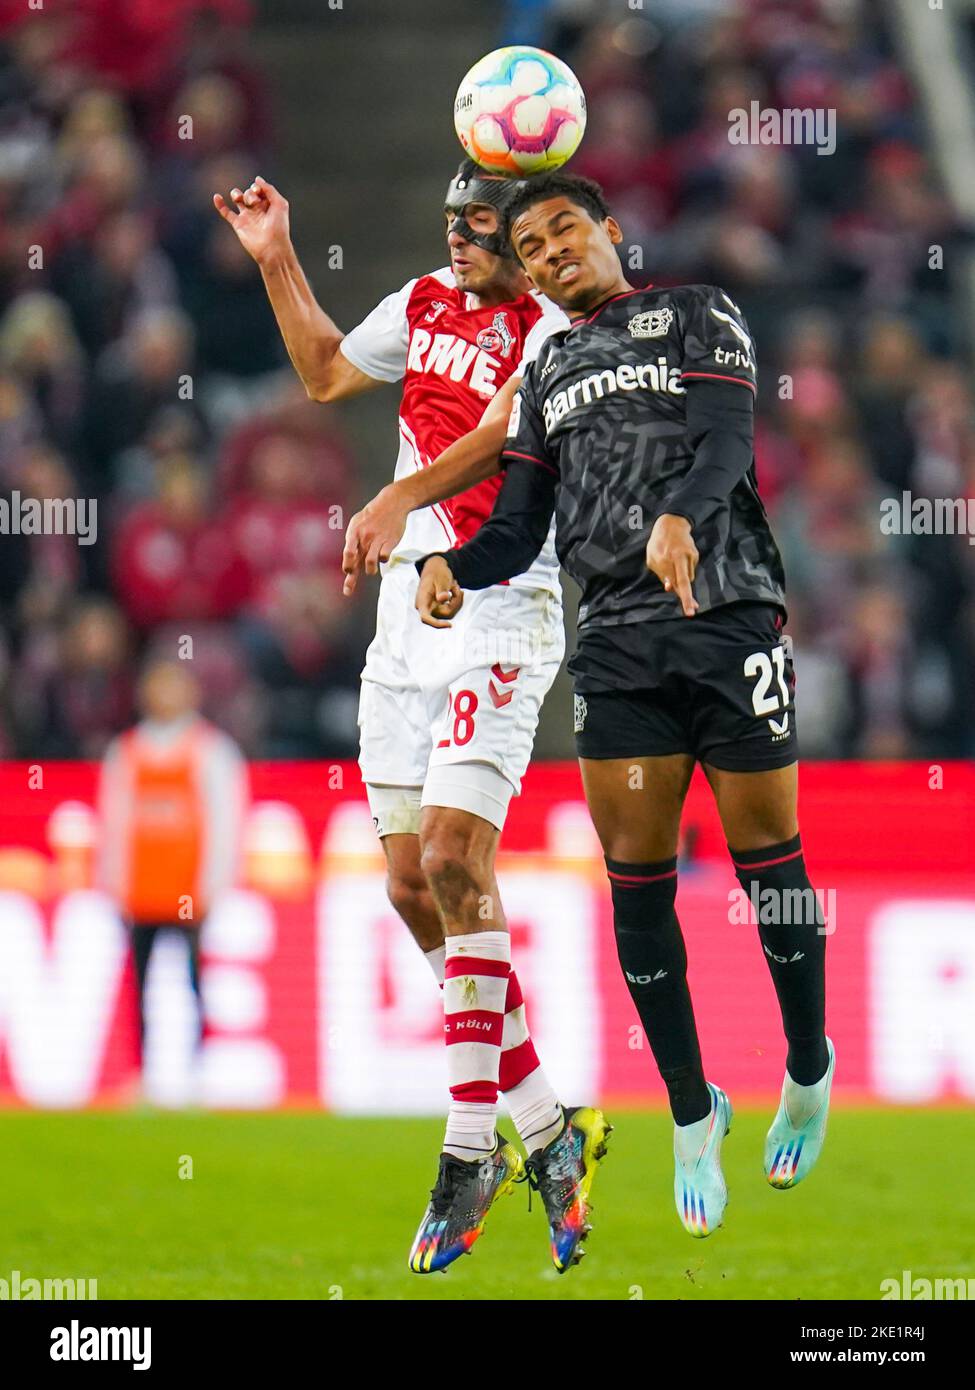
(376, 530)
(260, 218)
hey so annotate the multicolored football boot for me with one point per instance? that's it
(794, 1142)
(700, 1191)
(562, 1173)
(459, 1203)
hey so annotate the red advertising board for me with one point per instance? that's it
(315, 993)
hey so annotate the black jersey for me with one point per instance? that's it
(603, 409)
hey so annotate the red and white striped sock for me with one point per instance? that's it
(475, 988)
(536, 1111)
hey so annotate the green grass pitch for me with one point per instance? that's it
(306, 1205)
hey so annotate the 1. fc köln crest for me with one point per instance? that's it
(497, 338)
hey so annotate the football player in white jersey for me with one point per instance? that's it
(447, 727)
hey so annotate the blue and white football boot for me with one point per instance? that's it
(795, 1140)
(700, 1191)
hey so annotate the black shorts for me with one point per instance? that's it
(719, 686)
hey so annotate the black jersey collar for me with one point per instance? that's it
(611, 300)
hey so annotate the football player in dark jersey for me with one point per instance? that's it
(634, 426)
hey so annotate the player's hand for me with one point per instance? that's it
(372, 536)
(438, 598)
(672, 556)
(259, 217)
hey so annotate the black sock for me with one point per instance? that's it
(789, 925)
(654, 961)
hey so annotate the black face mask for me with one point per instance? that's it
(472, 184)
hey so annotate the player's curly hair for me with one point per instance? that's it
(585, 193)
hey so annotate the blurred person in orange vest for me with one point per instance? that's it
(172, 797)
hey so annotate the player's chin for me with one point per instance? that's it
(473, 279)
(577, 295)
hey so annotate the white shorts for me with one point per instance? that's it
(436, 699)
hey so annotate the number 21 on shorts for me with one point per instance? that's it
(767, 669)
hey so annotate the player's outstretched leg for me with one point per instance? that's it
(637, 821)
(476, 1164)
(654, 959)
(795, 1140)
(562, 1173)
(793, 935)
(758, 813)
(566, 1145)
(535, 1109)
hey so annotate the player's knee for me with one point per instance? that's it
(633, 839)
(444, 858)
(459, 874)
(451, 840)
(635, 845)
(630, 837)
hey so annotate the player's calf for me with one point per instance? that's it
(793, 936)
(653, 959)
(410, 895)
(396, 816)
(458, 850)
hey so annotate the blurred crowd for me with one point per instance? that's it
(861, 332)
(140, 366)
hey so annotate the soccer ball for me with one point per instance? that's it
(520, 111)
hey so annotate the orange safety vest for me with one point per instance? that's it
(165, 830)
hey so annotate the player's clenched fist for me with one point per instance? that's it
(438, 598)
(261, 218)
(672, 556)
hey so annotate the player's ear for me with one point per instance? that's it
(613, 230)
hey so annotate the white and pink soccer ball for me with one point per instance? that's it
(520, 111)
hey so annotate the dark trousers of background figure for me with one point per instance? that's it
(144, 937)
